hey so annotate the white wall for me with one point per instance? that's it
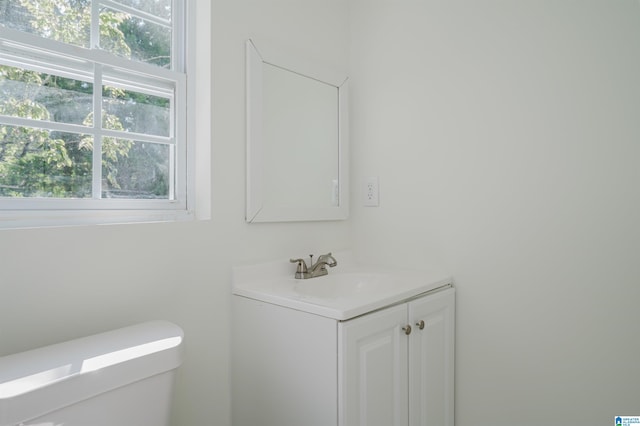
(57, 284)
(506, 137)
(506, 141)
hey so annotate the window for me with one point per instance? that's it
(93, 101)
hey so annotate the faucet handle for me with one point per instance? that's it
(301, 270)
(302, 265)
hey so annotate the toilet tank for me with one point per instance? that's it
(122, 377)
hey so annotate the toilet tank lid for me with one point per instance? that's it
(31, 370)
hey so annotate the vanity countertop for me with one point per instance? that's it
(349, 289)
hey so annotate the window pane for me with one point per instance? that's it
(39, 96)
(137, 170)
(135, 112)
(41, 163)
(67, 21)
(14, 15)
(135, 38)
(159, 8)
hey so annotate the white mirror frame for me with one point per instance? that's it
(256, 211)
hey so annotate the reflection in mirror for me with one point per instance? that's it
(296, 144)
(300, 126)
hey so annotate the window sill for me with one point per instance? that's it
(64, 218)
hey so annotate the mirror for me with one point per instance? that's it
(296, 139)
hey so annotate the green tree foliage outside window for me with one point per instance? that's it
(36, 162)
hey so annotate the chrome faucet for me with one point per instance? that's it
(317, 269)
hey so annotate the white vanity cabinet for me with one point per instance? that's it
(295, 368)
(395, 358)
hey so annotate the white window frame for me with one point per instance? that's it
(191, 187)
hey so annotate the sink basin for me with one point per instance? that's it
(342, 285)
(344, 293)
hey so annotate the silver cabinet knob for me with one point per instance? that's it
(407, 329)
(420, 324)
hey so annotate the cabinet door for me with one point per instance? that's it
(431, 356)
(372, 369)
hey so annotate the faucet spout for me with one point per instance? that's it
(327, 259)
(320, 267)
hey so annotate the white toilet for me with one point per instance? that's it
(122, 377)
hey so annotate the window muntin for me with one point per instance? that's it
(133, 153)
(156, 8)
